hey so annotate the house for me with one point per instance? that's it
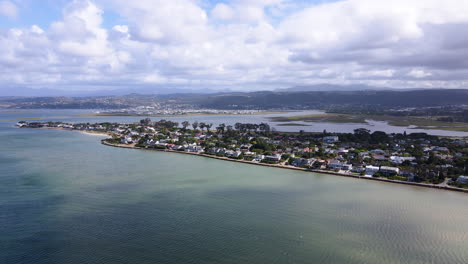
(440, 149)
(194, 149)
(233, 154)
(330, 139)
(408, 174)
(371, 170)
(463, 179)
(258, 158)
(126, 140)
(151, 142)
(273, 158)
(221, 151)
(335, 165)
(246, 147)
(378, 157)
(389, 171)
(347, 167)
(303, 162)
(378, 152)
(358, 169)
(249, 154)
(400, 160)
(343, 151)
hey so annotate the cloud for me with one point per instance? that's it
(8, 9)
(160, 21)
(372, 33)
(223, 12)
(243, 11)
(243, 44)
(419, 74)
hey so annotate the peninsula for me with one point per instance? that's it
(416, 159)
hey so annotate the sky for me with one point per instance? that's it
(232, 44)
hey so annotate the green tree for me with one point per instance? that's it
(195, 125)
(185, 124)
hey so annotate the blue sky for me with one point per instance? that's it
(235, 44)
(44, 12)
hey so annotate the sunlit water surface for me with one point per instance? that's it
(66, 199)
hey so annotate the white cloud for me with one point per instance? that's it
(80, 32)
(223, 12)
(161, 21)
(244, 11)
(373, 74)
(8, 9)
(419, 74)
(238, 44)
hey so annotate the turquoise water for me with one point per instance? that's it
(66, 199)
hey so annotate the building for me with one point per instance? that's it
(194, 149)
(274, 158)
(335, 165)
(302, 162)
(126, 140)
(371, 170)
(347, 167)
(400, 160)
(463, 179)
(330, 139)
(259, 158)
(358, 169)
(389, 171)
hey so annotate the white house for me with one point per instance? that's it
(274, 157)
(126, 140)
(400, 160)
(389, 170)
(335, 165)
(330, 139)
(463, 179)
(347, 167)
(259, 158)
(303, 162)
(371, 170)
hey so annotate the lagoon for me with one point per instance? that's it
(65, 198)
(81, 116)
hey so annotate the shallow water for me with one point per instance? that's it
(71, 116)
(66, 199)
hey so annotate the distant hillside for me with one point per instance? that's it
(330, 88)
(326, 100)
(321, 99)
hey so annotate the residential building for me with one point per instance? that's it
(371, 170)
(389, 171)
(463, 179)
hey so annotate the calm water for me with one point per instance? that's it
(68, 115)
(65, 198)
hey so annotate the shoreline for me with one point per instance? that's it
(425, 185)
(108, 135)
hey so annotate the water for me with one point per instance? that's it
(66, 199)
(70, 116)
